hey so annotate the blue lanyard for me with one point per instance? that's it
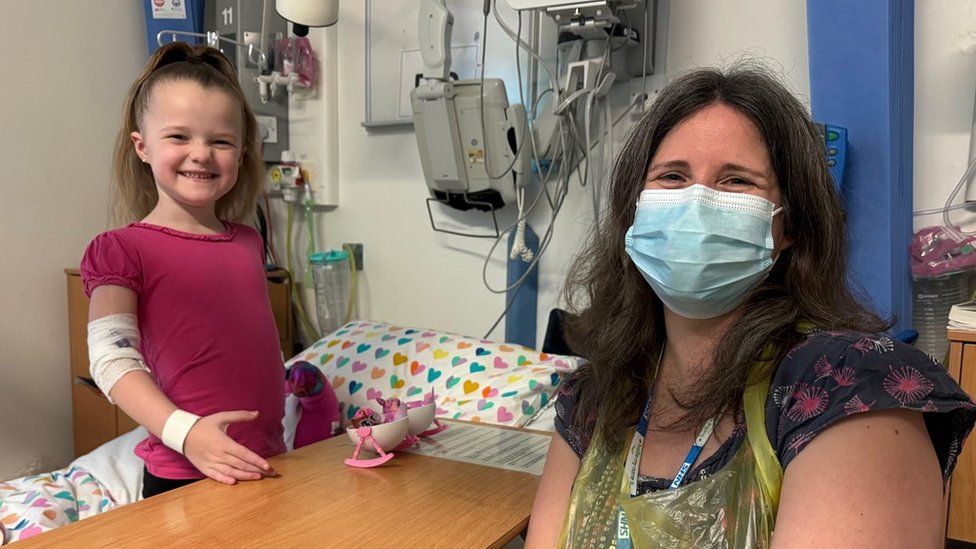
(637, 448)
(632, 464)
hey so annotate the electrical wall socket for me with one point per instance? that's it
(357, 253)
(268, 126)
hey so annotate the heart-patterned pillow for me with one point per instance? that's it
(472, 379)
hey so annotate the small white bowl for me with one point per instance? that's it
(387, 435)
(421, 417)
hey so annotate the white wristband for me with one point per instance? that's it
(177, 426)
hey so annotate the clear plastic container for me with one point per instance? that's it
(332, 279)
(932, 297)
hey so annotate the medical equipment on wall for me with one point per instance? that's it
(308, 13)
(835, 145)
(265, 58)
(294, 67)
(970, 185)
(255, 25)
(468, 135)
(295, 180)
(571, 112)
(617, 24)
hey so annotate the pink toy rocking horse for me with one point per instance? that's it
(364, 421)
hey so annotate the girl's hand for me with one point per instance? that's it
(218, 456)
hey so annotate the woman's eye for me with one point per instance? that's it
(738, 182)
(671, 177)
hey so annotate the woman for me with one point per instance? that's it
(718, 312)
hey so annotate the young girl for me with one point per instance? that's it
(181, 334)
(735, 385)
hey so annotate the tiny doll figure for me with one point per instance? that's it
(365, 417)
(393, 409)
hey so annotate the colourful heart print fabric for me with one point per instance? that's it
(472, 379)
(34, 504)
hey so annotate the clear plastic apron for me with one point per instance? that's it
(734, 508)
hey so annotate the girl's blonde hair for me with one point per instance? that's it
(134, 189)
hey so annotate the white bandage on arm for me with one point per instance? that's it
(177, 426)
(113, 350)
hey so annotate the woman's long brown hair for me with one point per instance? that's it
(133, 188)
(617, 320)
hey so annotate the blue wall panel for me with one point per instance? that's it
(862, 78)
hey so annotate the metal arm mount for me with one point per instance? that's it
(434, 26)
(213, 40)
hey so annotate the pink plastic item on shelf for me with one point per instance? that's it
(936, 251)
(295, 56)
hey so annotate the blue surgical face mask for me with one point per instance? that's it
(701, 250)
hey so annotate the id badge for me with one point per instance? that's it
(623, 530)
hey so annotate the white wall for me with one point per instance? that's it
(716, 33)
(945, 73)
(415, 276)
(67, 66)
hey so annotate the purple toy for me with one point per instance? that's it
(320, 417)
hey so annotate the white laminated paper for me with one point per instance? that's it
(523, 451)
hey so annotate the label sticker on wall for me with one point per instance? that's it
(169, 9)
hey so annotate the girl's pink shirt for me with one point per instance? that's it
(208, 332)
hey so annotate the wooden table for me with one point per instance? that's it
(411, 501)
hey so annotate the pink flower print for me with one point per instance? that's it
(951, 455)
(823, 367)
(884, 345)
(799, 441)
(864, 345)
(906, 384)
(782, 395)
(809, 402)
(881, 345)
(843, 376)
(856, 406)
(930, 407)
